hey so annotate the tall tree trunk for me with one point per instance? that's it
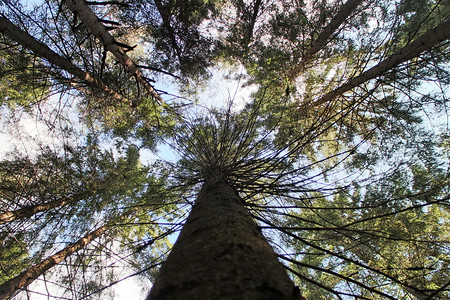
(18, 35)
(8, 288)
(344, 12)
(31, 210)
(95, 26)
(251, 26)
(221, 254)
(427, 41)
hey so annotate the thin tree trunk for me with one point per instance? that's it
(427, 41)
(18, 35)
(165, 15)
(249, 34)
(29, 211)
(10, 287)
(95, 26)
(221, 254)
(344, 12)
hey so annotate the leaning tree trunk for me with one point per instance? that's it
(344, 12)
(29, 211)
(40, 49)
(10, 287)
(427, 41)
(221, 254)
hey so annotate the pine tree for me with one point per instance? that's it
(332, 178)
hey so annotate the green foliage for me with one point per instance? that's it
(355, 188)
(23, 80)
(146, 120)
(120, 189)
(173, 28)
(13, 253)
(394, 226)
(418, 16)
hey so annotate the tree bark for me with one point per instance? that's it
(8, 288)
(95, 26)
(29, 211)
(18, 35)
(221, 254)
(427, 41)
(251, 27)
(344, 12)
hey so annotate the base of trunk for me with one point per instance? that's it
(221, 254)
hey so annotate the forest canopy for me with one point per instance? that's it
(328, 119)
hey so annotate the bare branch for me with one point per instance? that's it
(94, 24)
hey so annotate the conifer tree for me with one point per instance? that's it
(330, 183)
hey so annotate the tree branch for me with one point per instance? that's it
(95, 26)
(426, 42)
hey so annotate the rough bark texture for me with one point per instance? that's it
(29, 211)
(344, 12)
(18, 35)
(427, 41)
(221, 254)
(90, 20)
(8, 288)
